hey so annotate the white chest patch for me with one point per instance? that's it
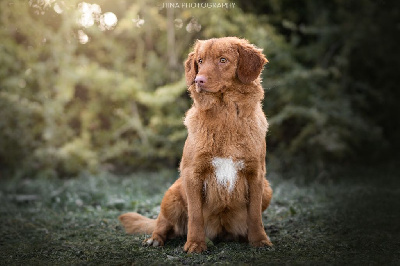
(226, 171)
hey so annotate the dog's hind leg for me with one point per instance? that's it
(163, 226)
(267, 195)
(172, 219)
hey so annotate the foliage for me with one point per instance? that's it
(336, 100)
(78, 94)
(68, 106)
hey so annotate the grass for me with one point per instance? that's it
(350, 218)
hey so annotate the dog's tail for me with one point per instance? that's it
(134, 223)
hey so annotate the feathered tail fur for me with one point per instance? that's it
(134, 223)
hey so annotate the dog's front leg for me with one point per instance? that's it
(256, 233)
(196, 235)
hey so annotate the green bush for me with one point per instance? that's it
(112, 97)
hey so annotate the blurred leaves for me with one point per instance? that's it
(76, 97)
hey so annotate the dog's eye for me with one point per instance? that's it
(222, 60)
(200, 61)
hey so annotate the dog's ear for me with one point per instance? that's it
(251, 62)
(190, 69)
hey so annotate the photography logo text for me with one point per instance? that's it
(198, 5)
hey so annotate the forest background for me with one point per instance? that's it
(99, 85)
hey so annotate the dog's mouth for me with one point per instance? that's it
(203, 89)
(200, 89)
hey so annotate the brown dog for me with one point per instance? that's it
(222, 191)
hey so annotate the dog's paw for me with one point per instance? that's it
(154, 241)
(195, 247)
(262, 242)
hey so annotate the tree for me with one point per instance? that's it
(91, 86)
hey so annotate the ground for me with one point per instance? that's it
(349, 217)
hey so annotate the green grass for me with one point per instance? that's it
(351, 217)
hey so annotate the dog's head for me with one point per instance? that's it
(217, 64)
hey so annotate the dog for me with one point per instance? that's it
(222, 191)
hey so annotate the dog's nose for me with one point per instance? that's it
(200, 80)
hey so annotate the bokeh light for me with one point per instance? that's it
(139, 22)
(193, 26)
(89, 14)
(83, 37)
(108, 21)
(178, 23)
(57, 8)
